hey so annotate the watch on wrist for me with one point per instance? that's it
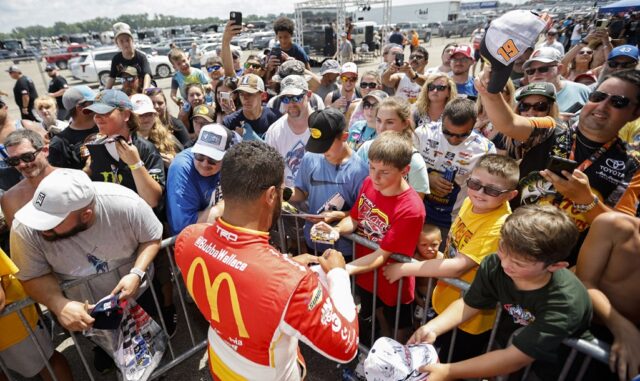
(584, 208)
(138, 272)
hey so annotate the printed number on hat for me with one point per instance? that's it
(508, 50)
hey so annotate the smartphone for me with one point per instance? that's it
(276, 51)
(225, 96)
(236, 17)
(557, 164)
(602, 23)
(399, 59)
(186, 106)
(574, 108)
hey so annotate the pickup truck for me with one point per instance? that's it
(460, 27)
(61, 59)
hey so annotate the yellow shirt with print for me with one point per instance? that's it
(11, 329)
(476, 236)
(630, 133)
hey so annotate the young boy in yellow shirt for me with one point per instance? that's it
(474, 235)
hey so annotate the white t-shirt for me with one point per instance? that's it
(440, 155)
(290, 145)
(407, 89)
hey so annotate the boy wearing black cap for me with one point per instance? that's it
(330, 175)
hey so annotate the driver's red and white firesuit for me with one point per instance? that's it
(259, 303)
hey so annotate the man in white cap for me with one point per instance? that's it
(341, 99)
(74, 228)
(289, 134)
(128, 56)
(193, 193)
(544, 66)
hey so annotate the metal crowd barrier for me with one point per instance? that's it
(174, 358)
(590, 349)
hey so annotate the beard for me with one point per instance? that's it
(53, 236)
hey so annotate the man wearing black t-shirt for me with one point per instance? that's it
(24, 92)
(66, 149)
(57, 87)
(128, 56)
(253, 120)
(607, 175)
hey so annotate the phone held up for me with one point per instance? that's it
(236, 17)
(399, 59)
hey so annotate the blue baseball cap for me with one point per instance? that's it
(624, 50)
(77, 94)
(107, 100)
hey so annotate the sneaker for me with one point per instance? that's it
(170, 319)
(102, 362)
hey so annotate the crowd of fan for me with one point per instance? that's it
(420, 159)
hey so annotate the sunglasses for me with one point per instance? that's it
(551, 34)
(586, 52)
(476, 185)
(432, 87)
(213, 68)
(200, 157)
(370, 85)
(25, 157)
(454, 135)
(623, 65)
(152, 90)
(286, 99)
(129, 79)
(252, 66)
(538, 106)
(416, 57)
(541, 70)
(617, 101)
(366, 105)
(344, 78)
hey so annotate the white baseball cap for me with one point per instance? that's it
(390, 360)
(60, 193)
(142, 104)
(349, 67)
(214, 140)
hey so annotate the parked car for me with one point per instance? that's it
(94, 66)
(244, 42)
(184, 43)
(208, 50)
(61, 58)
(436, 28)
(459, 27)
(261, 39)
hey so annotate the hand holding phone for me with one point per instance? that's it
(236, 17)
(399, 59)
(558, 164)
(276, 52)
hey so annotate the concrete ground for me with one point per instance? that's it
(195, 367)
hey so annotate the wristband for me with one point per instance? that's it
(584, 208)
(137, 165)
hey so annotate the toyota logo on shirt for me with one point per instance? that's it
(617, 165)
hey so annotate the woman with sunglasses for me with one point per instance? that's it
(369, 82)
(226, 98)
(587, 55)
(195, 97)
(175, 125)
(394, 114)
(437, 91)
(365, 130)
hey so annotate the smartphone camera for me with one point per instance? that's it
(399, 59)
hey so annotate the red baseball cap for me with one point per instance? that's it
(464, 50)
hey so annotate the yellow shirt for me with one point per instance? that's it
(11, 329)
(476, 236)
(630, 133)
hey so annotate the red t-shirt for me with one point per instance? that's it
(394, 223)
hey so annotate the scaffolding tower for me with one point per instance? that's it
(341, 11)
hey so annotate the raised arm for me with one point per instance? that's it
(230, 30)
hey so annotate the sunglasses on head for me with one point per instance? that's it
(200, 157)
(541, 70)
(416, 57)
(624, 65)
(152, 90)
(286, 99)
(476, 185)
(25, 157)
(344, 78)
(367, 105)
(454, 135)
(370, 85)
(213, 68)
(616, 101)
(538, 106)
(432, 87)
(252, 66)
